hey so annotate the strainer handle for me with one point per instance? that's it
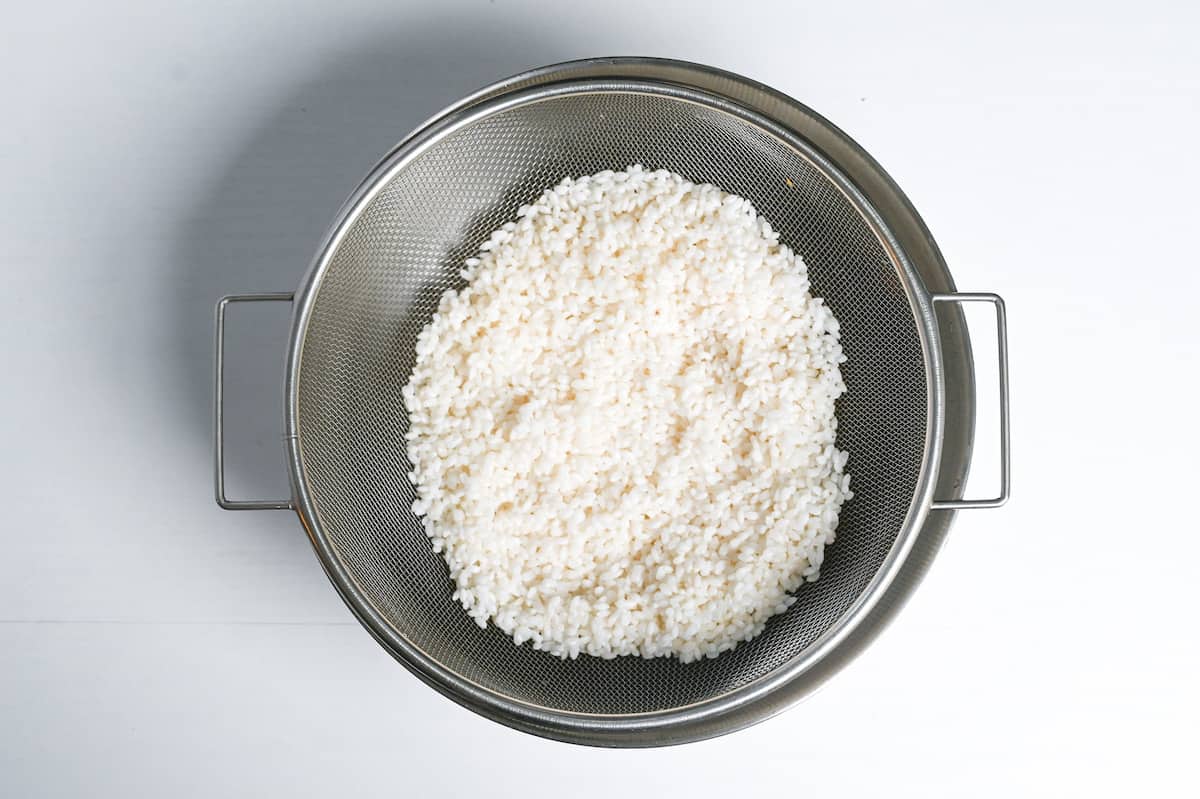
(218, 411)
(1002, 346)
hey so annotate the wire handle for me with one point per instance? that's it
(1002, 346)
(218, 411)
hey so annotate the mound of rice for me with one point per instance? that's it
(622, 428)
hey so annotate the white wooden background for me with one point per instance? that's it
(156, 156)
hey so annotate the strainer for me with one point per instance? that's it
(906, 418)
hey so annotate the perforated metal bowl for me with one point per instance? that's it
(906, 418)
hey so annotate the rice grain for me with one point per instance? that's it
(623, 427)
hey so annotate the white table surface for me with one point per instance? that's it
(156, 156)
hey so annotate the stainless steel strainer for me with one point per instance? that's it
(906, 418)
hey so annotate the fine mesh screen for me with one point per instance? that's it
(383, 284)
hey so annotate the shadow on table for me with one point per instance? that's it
(259, 226)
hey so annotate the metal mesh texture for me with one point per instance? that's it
(382, 286)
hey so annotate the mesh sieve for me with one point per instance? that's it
(405, 248)
(399, 243)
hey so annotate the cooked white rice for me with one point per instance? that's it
(623, 427)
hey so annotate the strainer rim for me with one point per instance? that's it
(552, 720)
